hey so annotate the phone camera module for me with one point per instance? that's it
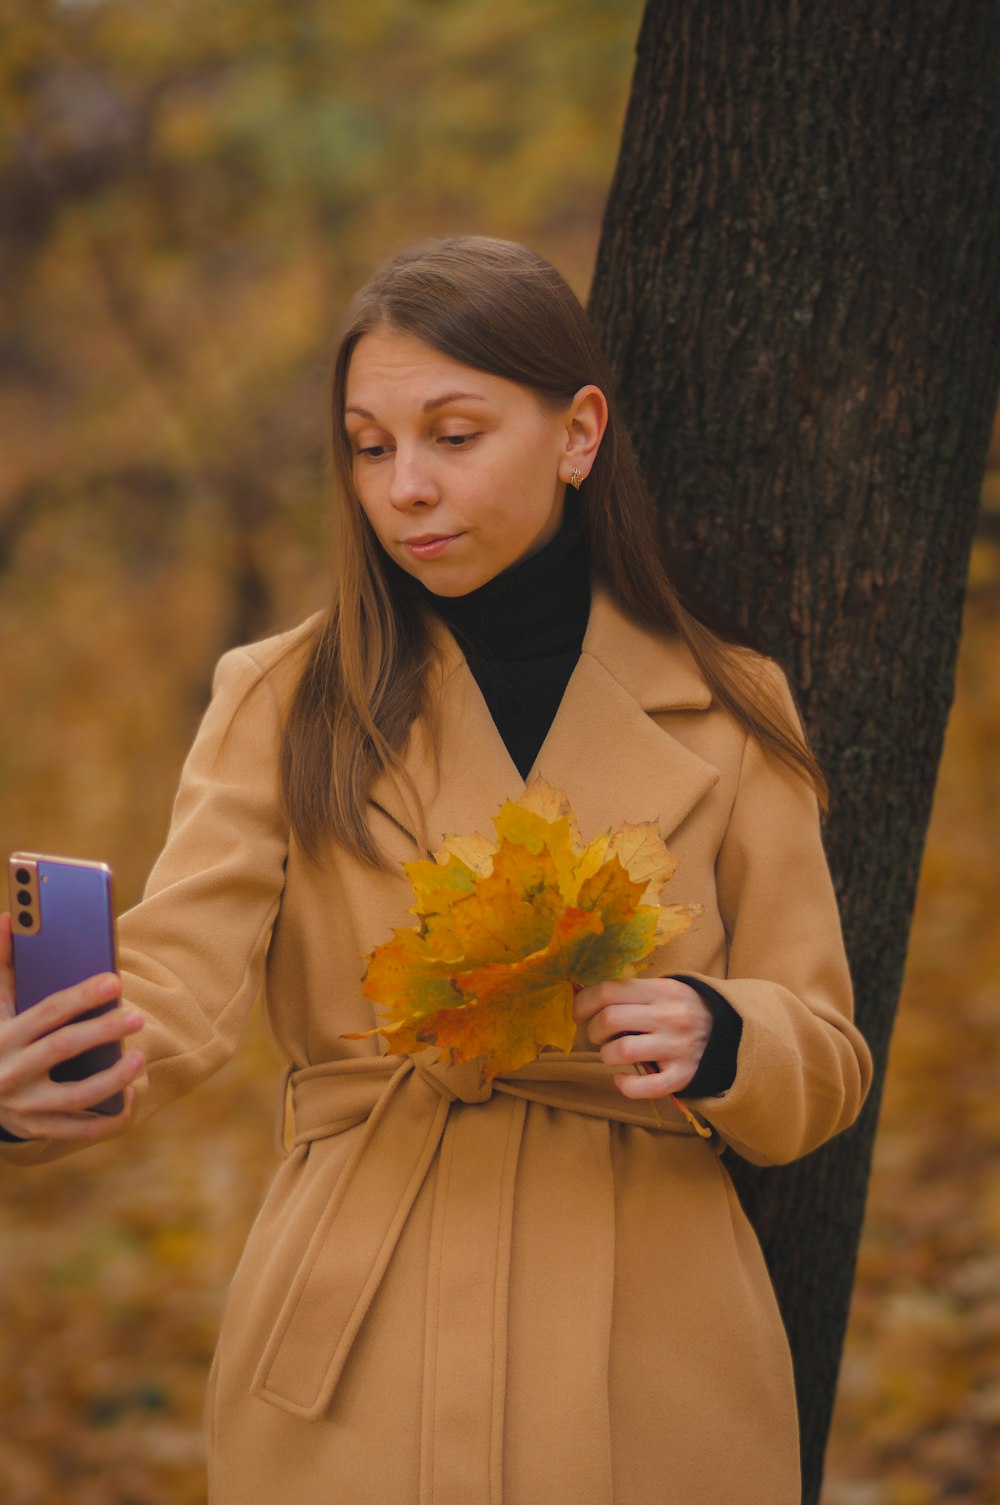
(22, 875)
(24, 919)
(23, 897)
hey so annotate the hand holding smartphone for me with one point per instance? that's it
(63, 933)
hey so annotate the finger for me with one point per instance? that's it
(641, 990)
(660, 1047)
(590, 1001)
(72, 1039)
(85, 1128)
(25, 1074)
(6, 968)
(60, 1007)
(76, 1097)
(674, 1078)
(22, 1068)
(623, 1018)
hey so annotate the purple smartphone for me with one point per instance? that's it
(64, 932)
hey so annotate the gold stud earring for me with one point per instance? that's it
(576, 480)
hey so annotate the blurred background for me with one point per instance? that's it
(188, 195)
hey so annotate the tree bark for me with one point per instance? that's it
(797, 285)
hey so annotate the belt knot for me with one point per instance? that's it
(463, 1083)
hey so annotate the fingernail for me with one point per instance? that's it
(108, 987)
(134, 1020)
(135, 1058)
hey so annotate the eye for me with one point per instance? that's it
(372, 451)
(459, 441)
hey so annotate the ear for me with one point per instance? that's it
(586, 420)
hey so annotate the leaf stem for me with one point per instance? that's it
(650, 1068)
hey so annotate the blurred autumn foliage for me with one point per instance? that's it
(188, 193)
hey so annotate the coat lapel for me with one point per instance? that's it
(462, 785)
(603, 748)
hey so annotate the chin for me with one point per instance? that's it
(451, 588)
(446, 582)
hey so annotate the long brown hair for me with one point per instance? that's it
(497, 307)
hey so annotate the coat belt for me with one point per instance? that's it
(404, 1108)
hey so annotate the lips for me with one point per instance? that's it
(429, 545)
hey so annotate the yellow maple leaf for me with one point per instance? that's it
(509, 931)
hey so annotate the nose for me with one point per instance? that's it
(411, 484)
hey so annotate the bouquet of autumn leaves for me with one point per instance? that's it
(510, 930)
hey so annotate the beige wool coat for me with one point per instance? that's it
(534, 1294)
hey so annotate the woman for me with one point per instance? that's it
(540, 1291)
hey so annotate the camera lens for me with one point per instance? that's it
(23, 897)
(24, 919)
(22, 875)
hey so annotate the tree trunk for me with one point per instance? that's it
(797, 284)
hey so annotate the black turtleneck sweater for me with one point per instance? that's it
(521, 634)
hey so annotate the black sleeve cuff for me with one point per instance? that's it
(6, 1138)
(717, 1067)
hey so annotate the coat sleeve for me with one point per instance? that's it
(803, 1069)
(192, 952)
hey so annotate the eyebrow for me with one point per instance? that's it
(429, 405)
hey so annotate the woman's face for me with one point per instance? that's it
(459, 473)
